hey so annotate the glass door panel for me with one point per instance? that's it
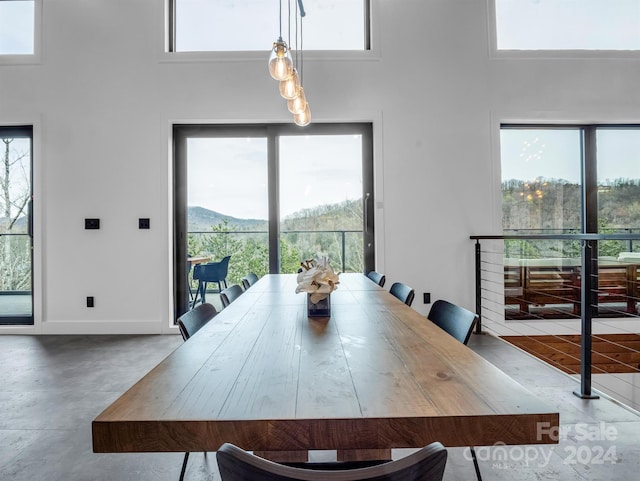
(227, 203)
(541, 189)
(16, 302)
(618, 188)
(321, 200)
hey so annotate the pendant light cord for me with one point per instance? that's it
(280, 18)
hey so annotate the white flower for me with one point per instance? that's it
(318, 279)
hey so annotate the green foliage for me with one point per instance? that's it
(249, 249)
(549, 205)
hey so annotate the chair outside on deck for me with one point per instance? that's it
(190, 323)
(230, 294)
(458, 322)
(249, 280)
(377, 278)
(210, 272)
(403, 292)
(427, 464)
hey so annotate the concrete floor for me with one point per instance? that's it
(51, 388)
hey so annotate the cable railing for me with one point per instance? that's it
(540, 276)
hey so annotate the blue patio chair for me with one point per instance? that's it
(210, 272)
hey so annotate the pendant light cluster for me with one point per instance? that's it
(289, 73)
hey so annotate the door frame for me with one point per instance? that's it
(181, 132)
(24, 131)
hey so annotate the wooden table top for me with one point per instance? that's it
(376, 375)
(198, 260)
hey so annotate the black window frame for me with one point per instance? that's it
(181, 132)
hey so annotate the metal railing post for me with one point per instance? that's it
(478, 289)
(586, 298)
(344, 251)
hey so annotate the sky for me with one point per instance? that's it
(555, 154)
(568, 24)
(16, 28)
(202, 25)
(229, 175)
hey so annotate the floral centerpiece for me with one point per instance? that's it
(318, 280)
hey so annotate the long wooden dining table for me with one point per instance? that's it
(376, 375)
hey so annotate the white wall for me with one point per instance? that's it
(104, 96)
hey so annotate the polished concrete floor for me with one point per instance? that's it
(51, 388)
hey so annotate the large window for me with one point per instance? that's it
(570, 180)
(213, 25)
(567, 24)
(545, 169)
(17, 27)
(271, 196)
(16, 303)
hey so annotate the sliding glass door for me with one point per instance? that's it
(271, 196)
(16, 241)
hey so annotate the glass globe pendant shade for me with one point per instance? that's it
(296, 105)
(304, 117)
(290, 87)
(280, 63)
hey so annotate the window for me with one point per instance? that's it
(17, 27)
(253, 25)
(567, 24)
(271, 196)
(544, 172)
(16, 241)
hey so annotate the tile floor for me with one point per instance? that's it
(624, 387)
(51, 388)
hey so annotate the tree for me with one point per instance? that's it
(15, 264)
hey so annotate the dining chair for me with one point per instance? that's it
(230, 294)
(454, 319)
(403, 292)
(377, 278)
(249, 280)
(189, 323)
(458, 322)
(193, 320)
(426, 464)
(210, 272)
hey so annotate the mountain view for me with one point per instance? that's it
(555, 206)
(334, 230)
(201, 220)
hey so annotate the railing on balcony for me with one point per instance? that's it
(249, 250)
(558, 276)
(15, 279)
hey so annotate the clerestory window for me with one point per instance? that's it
(253, 25)
(567, 24)
(17, 27)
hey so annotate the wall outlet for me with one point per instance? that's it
(92, 223)
(90, 301)
(426, 297)
(144, 223)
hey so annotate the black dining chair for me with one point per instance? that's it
(454, 319)
(210, 272)
(249, 280)
(230, 294)
(458, 322)
(426, 464)
(189, 323)
(403, 292)
(192, 321)
(377, 278)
